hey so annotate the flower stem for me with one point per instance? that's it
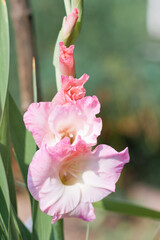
(87, 232)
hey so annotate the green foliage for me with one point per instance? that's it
(4, 131)
(4, 201)
(4, 53)
(42, 227)
(59, 230)
(20, 227)
(124, 207)
(24, 145)
(10, 225)
(5, 152)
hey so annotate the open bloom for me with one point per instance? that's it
(71, 89)
(66, 60)
(69, 23)
(67, 179)
(50, 122)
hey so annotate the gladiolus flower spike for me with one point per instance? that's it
(65, 175)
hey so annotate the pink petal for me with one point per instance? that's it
(36, 121)
(68, 82)
(106, 166)
(66, 60)
(69, 23)
(85, 211)
(46, 187)
(71, 89)
(80, 120)
(60, 98)
(39, 170)
(66, 202)
(66, 178)
(90, 107)
(93, 194)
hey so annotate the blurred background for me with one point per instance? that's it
(119, 48)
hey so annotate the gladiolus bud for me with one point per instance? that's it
(69, 23)
(66, 60)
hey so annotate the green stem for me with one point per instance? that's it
(59, 230)
(87, 232)
(58, 78)
(67, 6)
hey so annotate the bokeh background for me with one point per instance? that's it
(119, 47)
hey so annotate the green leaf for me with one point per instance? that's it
(26, 235)
(22, 231)
(4, 53)
(14, 230)
(4, 202)
(128, 208)
(5, 153)
(59, 230)
(42, 227)
(22, 140)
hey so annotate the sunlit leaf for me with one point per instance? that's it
(42, 227)
(128, 208)
(5, 153)
(23, 143)
(4, 52)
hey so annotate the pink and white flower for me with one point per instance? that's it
(71, 89)
(50, 122)
(69, 23)
(67, 179)
(66, 60)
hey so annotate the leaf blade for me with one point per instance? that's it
(42, 227)
(22, 140)
(124, 207)
(4, 201)
(5, 152)
(4, 53)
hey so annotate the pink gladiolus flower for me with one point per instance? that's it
(71, 89)
(67, 179)
(69, 23)
(66, 60)
(50, 122)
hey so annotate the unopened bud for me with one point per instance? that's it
(69, 23)
(66, 60)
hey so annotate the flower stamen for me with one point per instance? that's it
(70, 133)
